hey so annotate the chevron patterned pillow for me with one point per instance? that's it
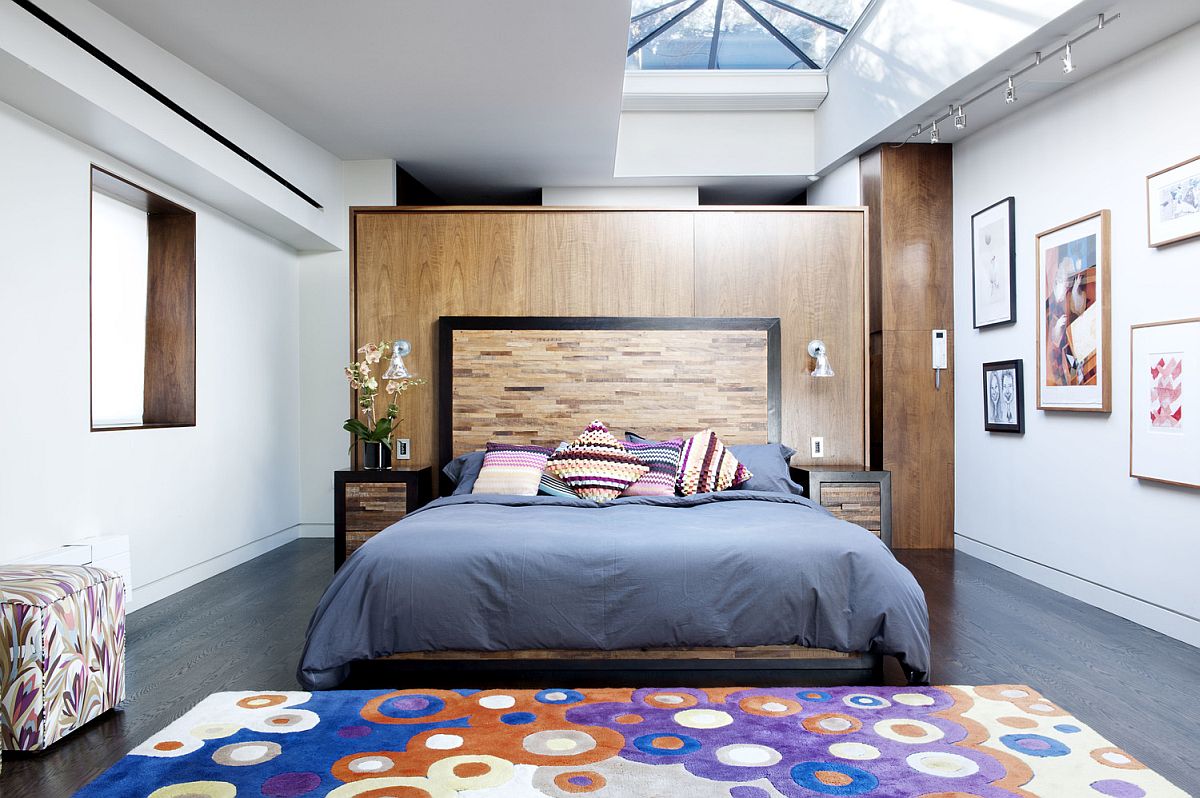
(708, 465)
(596, 465)
(512, 470)
(662, 458)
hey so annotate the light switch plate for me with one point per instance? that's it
(401, 449)
(818, 446)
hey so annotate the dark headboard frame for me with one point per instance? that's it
(448, 325)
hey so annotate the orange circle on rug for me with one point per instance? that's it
(465, 770)
(628, 719)
(769, 706)
(262, 701)
(667, 743)
(1114, 757)
(168, 745)
(579, 781)
(672, 700)
(950, 795)
(832, 723)
(832, 778)
(1017, 722)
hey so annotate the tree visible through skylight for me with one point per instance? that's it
(738, 34)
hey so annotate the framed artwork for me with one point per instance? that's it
(1164, 412)
(994, 264)
(1173, 203)
(1004, 396)
(1074, 316)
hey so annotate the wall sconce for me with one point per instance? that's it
(816, 350)
(396, 369)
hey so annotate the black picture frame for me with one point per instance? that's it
(994, 409)
(989, 213)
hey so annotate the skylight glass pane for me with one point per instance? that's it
(746, 40)
(745, 44)
(683, 46)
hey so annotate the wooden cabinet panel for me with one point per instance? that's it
(918, 434)
(856, 502)
(367, 502)
(808, 269)
(916, 217)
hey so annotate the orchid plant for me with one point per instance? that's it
(375, 428)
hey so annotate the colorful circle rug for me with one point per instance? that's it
(930, 742)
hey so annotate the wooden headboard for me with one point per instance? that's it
(542, 379)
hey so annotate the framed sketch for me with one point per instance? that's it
(1004, 396)
(1164, 413)
(1074, 316)
(1173, 203)
(994, 264)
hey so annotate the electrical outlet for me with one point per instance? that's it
(818, 446)
(401, 449)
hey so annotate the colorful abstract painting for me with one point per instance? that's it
(1166, 391)
(932, 742)
(1072, 317)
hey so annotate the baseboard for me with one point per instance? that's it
(321, 530)
(1160, 619)
(147, 594)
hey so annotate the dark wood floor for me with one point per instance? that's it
(243, 630)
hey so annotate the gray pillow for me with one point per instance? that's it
(463, 471)
(768, 462)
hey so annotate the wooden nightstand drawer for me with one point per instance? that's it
(856, 502)
(368, 502)
(860, 497)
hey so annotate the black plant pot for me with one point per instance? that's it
(376, 456)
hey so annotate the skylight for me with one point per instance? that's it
(738, 34)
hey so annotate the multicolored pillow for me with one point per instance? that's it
(707, 465)
(553, 486)
(511, 469)
(596, 464)
(662, 458)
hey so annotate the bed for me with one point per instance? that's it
(739, 576)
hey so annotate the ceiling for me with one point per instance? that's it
(480, 100)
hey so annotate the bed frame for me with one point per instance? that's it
(534, 379)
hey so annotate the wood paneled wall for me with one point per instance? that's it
(909, 191)
(804, 265)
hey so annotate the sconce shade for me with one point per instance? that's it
(396, 369)
(816, 349)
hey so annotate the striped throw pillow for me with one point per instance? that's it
(511, 469)
(596, 465)
(553, 486)
(662, 458)
(707, 465)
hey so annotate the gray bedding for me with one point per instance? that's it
(737, 568)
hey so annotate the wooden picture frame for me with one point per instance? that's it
(1074, 315)
(994, 264)
(1004, 396)
(1164, 430)
(1173, 203)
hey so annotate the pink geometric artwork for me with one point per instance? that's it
(1166, 391)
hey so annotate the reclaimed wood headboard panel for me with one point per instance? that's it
(541, 380)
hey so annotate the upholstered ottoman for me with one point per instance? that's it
(62, 651)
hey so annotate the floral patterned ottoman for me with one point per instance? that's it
(62, 651)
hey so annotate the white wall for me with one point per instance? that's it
(842, 186)
(1056, 505)
(325, 351)
(48, 77)
(621, 196)
(193, 501)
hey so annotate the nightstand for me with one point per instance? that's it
(367, 502)
(860, 497)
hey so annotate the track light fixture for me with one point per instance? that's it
(1068, 62)
(957, 112)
